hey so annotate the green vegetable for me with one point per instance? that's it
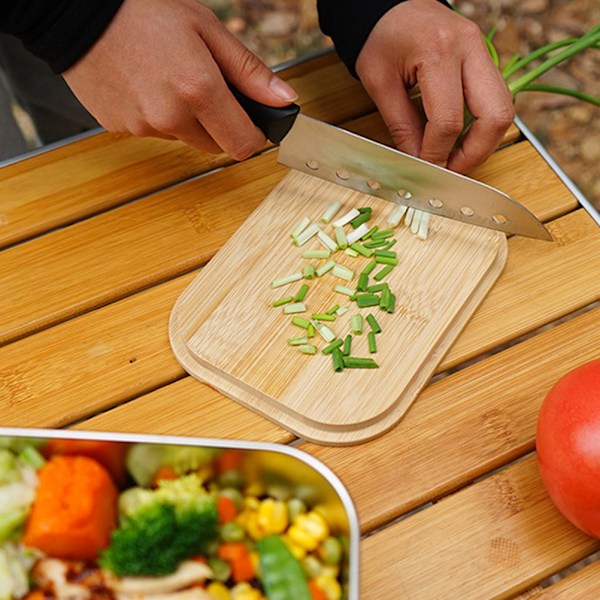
(332, 346)
(301, 294)
(160, 528)
(338, 360)
(372, 342)
(353, 362)
(283, 301)
(373, 323)
(15, 563)
(282, 574)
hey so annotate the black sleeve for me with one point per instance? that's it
(349, 22)
(58, 31)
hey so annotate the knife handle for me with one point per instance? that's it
(273, 122)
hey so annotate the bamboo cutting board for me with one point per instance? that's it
(225, 331)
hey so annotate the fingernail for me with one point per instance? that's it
(282, 90)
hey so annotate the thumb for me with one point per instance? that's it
(247, 72)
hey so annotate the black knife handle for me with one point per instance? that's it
(273, 122)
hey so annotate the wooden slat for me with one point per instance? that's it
(152, 239)
(491, 540)
(582, 585)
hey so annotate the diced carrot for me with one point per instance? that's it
(242, 568)
(109, 454)
(229, 459)
(231, 550)
(227, 509)
(315, 591)
(164, 472)
(75, 509)
(35, 595)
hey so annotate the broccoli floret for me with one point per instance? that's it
(162, 528)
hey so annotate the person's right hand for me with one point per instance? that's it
(160, 69)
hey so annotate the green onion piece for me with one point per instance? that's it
(285, 280)
(342, 289)
(298, 340)
(365, 300)
(351, 214)
(378, 287)
(347, 345)
(356, 324)
(388, 253)
(327, 241)
(361, 249)
(332, 310)
(363, 282)
(308, 349)
(369, 268)
(32, 458)
(337, 359)
(309, 272)
(370, 232)
(389, 245)
(301, 322)
(375, 243)
(409, 216)
(373, 323)
(316, 254)
(386, 260)
(343, 272)
(330, 347)
(351, 252)
(331, 211)
(424, 226)
(385, 298)
(283, 301)
(323, 317)
(383, 234)
(414, 226)
(310, 330)
(327, 334)
(354, 362)
(395, 217)
(301, 293)
(385, 271)
(296, 307)
(304, 223)
(340, 236)
(308, 233)
(365, 215)
(320, 271)
(372, 342)
(341, 310)
(391, 305)
(357, 234)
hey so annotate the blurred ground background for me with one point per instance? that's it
(281, 30)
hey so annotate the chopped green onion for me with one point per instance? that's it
(375, 243)
(370, 232)
(383, 273)
(331, 211)
(283, 301)
(361, 249)
(351, 214)
(308, 349)
(363, 282)
(330, 347)
(372, 342)
(389, 245)
(327, 241)
(409, 216)
(388, 253)
(356, 324)
(296, 307)
(369, 268)
(310, 330)
(301, 322)
(373, 323)
(416, 221)
(424, 226)
(341, 310)
(323, 317)
(298, 340)
(386, 260)
(395, 217)
(301, 293)
(378, 287)
(385, 298)
(320, 271)
(332, 310)
(362, 218)
(309, 272)
(316, 254)
(340, 236)
(343, 272)
(351, 252)
(312, 230)
(285, 280)
(383, 234)
(354, 362)
(391, 305)
(347, 345)
(337, 359)
(365, 300)
(342, 289)
(304, 223)
(327, 334)
(355, 235)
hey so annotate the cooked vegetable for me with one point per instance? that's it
(15, 563)
(74, 510)
(180, 518)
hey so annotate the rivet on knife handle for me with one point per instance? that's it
(274, 122)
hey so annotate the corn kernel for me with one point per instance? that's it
(302, 538)
(251, 502)
(331, 587)
(244, 591)
(253, 527)
(298, 551)
(272, 516)
(308, 530)
(218, 591)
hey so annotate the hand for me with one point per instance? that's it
(424, 42)
(159, 69)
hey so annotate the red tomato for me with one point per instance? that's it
(568, 446)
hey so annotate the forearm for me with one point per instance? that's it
(58, 31)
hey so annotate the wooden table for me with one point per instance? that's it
(101, 235)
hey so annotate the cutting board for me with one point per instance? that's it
(225, 332)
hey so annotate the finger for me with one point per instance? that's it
(490, 103)
(197, 137)
(442, 93)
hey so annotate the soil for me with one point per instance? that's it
(281, 30)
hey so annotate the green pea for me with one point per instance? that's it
(220, 568)
(232, 532)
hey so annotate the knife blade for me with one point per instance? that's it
(356, 162)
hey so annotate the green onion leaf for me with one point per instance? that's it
(338, 360)
(283, 301)
(301, 293)
(373, 323)
(330, 347)
(372, 342)
(354, 362)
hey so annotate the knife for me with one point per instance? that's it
(353, 161)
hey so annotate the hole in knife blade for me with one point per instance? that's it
(343, 174)
(435, 203)
(500, 219)
(312, 164)
(405, 194)
(467, 211)
(374, 185)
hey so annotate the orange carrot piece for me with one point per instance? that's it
(75, 509)
(227, 509)
(231, 550)
(242, 568)
(109, 454)
(35, 595)
(315, 591)
(229, 459)
(164, 472)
